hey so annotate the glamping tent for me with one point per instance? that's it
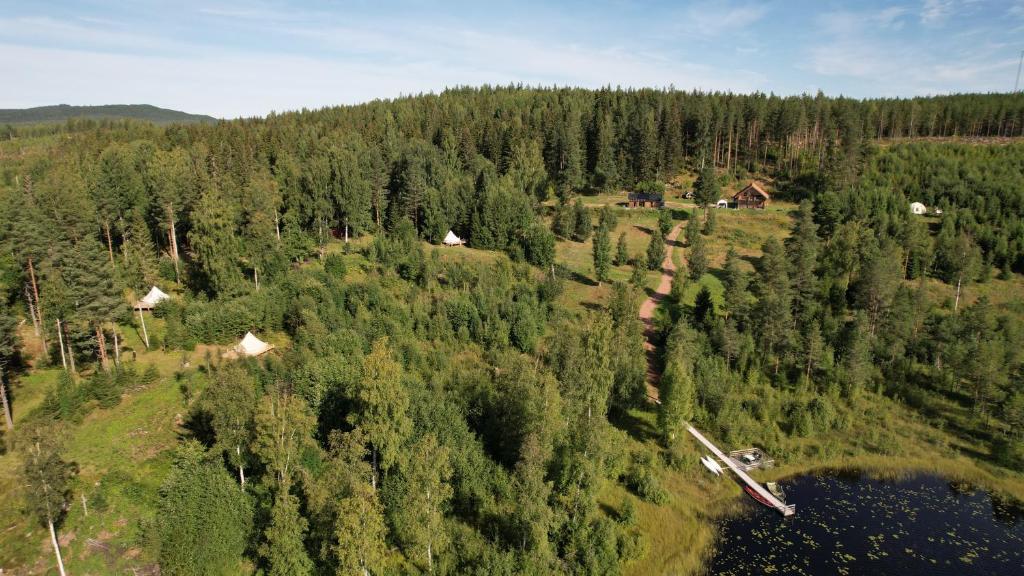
(722, 203)
(917, 208)
(249, 346)
(452, 240)
(149, 301)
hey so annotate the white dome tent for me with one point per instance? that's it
(150, 300)
(917, 208)
(249, 346)
(451, 239)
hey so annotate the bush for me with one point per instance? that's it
(334, 265)
(640, 478)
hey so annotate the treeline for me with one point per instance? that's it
(221, 208)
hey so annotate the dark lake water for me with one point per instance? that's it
(852, 524)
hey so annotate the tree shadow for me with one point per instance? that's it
(644, 229)
(718, 273)
(674, 243)
(638, 428)
(594, 306)
(577, 277)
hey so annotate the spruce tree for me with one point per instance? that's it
(637, 278)
(8, 350)
(583, 227)
(737, 297)
(710, 223)
(621, 251)
(692, 229)
(203, 519)
(602, 249)
(655, 250)
(215, 242)
(697, 258)
(283, 549)
(706, 189)
(665, 220)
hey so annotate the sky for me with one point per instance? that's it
(229, 59)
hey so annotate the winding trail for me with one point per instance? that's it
(647, 309)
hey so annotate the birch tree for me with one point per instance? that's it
(46, 478)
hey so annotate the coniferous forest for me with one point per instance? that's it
(426, 413)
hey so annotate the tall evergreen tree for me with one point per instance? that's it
(655, 250)
(621, 251)
(602, 249)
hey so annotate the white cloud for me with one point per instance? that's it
(712, 19)
(248, 84)
(935, 12)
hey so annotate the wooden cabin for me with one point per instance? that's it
(753, 196)
(643, 200)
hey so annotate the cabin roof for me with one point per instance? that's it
(756, 188)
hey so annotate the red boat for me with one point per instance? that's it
(753, 494)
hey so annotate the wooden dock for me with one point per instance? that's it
(782, 507)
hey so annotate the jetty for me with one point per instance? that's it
(782, 507)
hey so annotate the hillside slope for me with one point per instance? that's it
(64, 112)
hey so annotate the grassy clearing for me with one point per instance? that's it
(123, 454)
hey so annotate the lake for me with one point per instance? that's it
(849, 523)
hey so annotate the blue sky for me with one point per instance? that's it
(228, 58)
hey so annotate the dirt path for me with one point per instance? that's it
(668, 271)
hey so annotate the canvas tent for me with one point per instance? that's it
(249, 346)
(452, 240)
(722, 203)
(917, 208)
(149, 301)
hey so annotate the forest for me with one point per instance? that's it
(426, 413)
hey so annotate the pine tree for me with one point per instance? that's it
(655, 250)
(602, 249)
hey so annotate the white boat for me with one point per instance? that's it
(711, 465)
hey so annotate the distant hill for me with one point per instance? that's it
(63, 112)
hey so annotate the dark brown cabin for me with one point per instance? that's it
(753, 196)
(641, 200)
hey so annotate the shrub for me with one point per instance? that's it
(640, 478)
(334, 265)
